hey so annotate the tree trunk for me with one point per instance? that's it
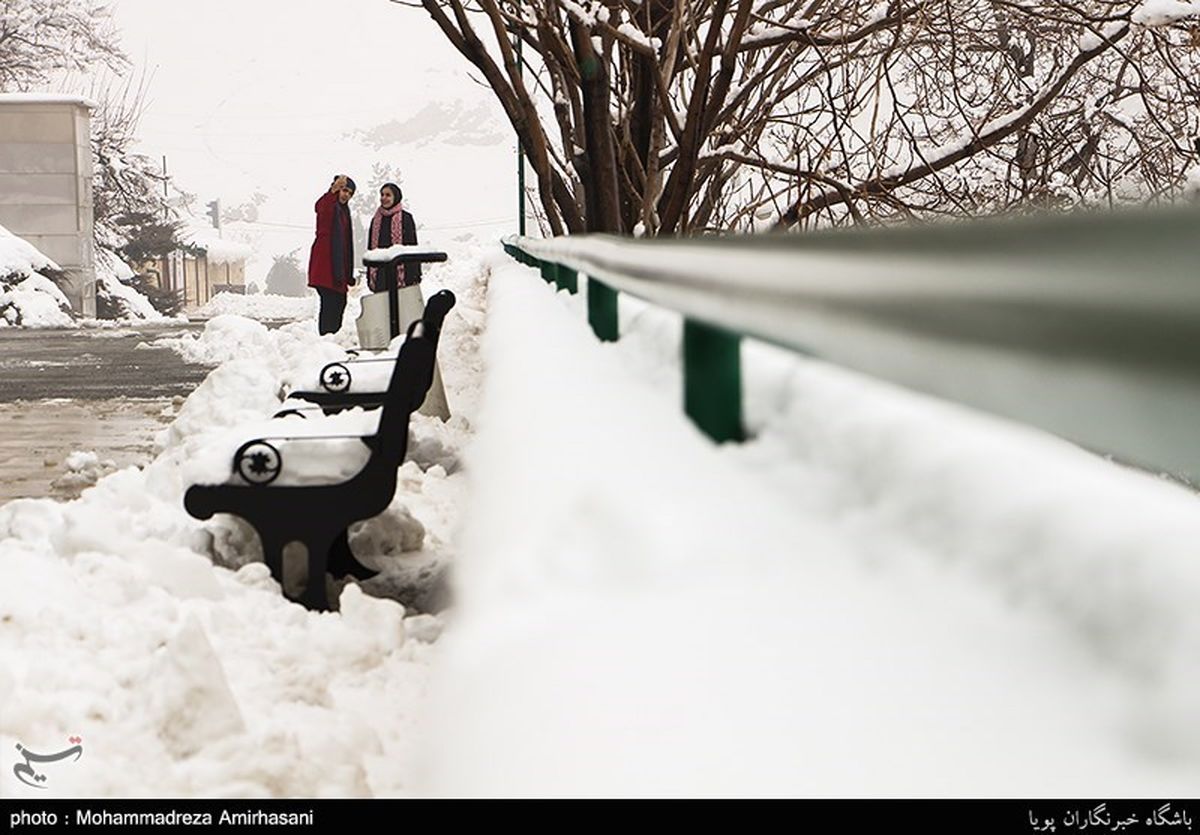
(600, 186)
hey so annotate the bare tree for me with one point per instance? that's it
(131, 209)
(40, 38)
(677, 116)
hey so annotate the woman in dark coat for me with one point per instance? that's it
(331, 262)
(331, 273)
(391, 225)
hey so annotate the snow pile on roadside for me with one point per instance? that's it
(84, 468)
(261, 306)
(188, 679)
(27, 296)
(228, 336)
(880, 596)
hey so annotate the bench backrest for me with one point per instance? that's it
(411, 378)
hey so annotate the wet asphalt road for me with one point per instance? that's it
(94, 364)
(85, 389)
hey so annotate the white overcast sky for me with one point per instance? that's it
(257, 95)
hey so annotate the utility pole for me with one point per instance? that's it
(520, 150)
(165, 217)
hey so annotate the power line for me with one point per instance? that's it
(306, 227)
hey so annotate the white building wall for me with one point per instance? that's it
(46, 184)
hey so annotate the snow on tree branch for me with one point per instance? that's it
(676, 118)
(987, 135)
(41, 38)
(1164, 12)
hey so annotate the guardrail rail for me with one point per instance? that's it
(1085, 325)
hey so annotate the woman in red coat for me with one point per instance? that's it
(331, 262)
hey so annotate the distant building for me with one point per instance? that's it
(46, 184)
(210, 265)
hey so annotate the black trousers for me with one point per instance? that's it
(333, 305)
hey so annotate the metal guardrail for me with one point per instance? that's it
(1086, 325)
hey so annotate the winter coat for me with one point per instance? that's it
(385, 276)
(334, 238)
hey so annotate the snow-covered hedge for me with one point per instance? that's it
(28, 296)
(116, 298)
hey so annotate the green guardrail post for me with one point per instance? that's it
(602, 310)
(712, 380)
(549, 272)
(567, 279)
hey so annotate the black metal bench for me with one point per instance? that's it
(335, 396)
(319, 515)
(336, 377)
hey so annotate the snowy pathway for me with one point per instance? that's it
(184, 678)
(880, 595)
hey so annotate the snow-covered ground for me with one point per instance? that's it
(165, 645)
(260, 306)
(878, 595)
(881, 595)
